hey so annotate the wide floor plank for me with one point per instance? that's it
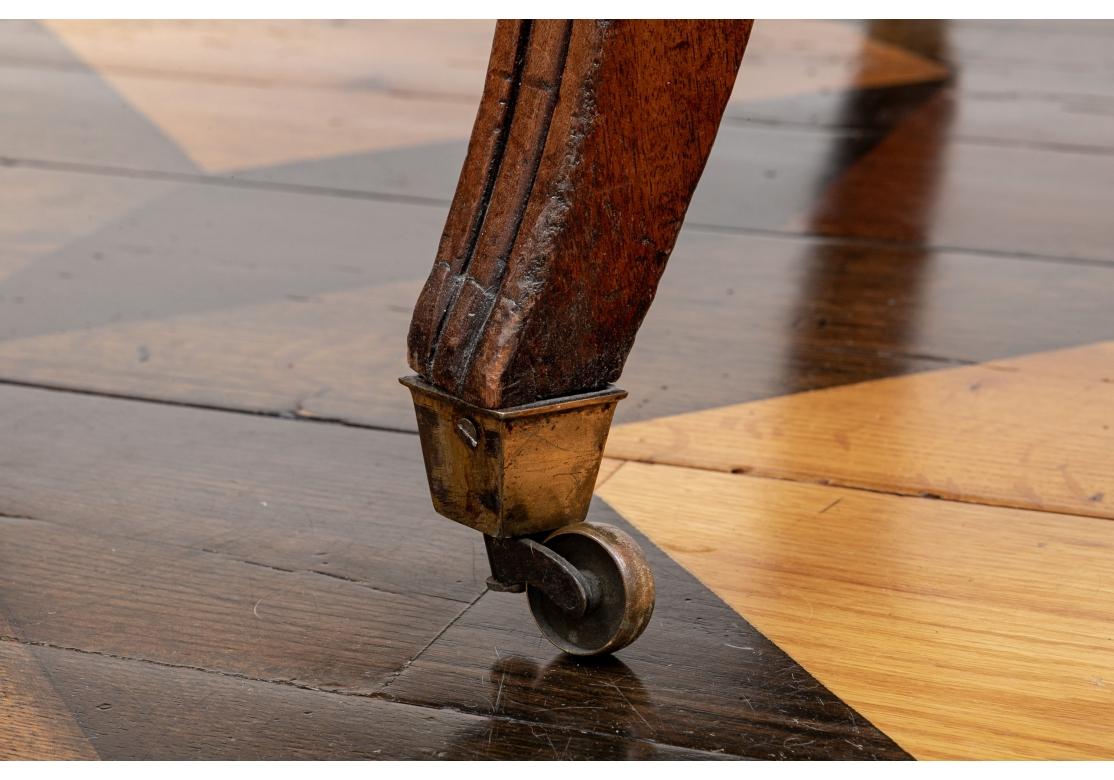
(221, 297)
(914, 185)
(109, 594)
(1025, 84)
(1032, 432)
(307, 554)
(951, 193)
(137, 711)
(329, 500)
(1014, 77)
(699, 676)
(446, 59)
(962, 631)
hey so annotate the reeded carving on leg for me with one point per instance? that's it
(589, 141)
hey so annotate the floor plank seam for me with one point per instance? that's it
(407, 664)
(234, 559)
(7, 516)
(843, 349)
(227, 180)
(960, 139)
(748, 471)
(331, 575)
(757, 472)
(288, 415)
(884, 243)
(373, 696)
(240, 80)
(169, 665)
(231, 180)
(614, 471)
(297, 413)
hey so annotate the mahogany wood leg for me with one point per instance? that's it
(589, 141)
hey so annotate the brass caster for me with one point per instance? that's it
(516, 474)
(620, 589)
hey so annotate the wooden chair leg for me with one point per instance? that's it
(588, 144)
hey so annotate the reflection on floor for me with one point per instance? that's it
(867, 447)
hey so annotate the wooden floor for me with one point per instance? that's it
(869, 446)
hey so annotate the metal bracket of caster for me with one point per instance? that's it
(520, 563)
(524, 477)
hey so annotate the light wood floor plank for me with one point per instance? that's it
(1034, 432)
(219, 126)
(961, 631)
(447, 59)
(607, 470)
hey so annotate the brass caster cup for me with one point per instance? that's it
(515, 471)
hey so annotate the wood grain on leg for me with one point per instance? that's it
(589, 141)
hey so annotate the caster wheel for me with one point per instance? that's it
(621, 591)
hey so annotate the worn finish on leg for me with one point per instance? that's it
(589, 142)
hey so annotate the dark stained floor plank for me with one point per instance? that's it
(162, 250)
(331, 500)
(1014, 84)
(135, 710)
(1033, 56)
(758, 178)
(139, 539)
(163, 273)
(757, 318)
(753, 700)
(221, 297)
(1082, 123)
(766, 178)
(910, 187)
(1067, 56)
(144, 600)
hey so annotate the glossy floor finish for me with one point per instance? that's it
(867, 447)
